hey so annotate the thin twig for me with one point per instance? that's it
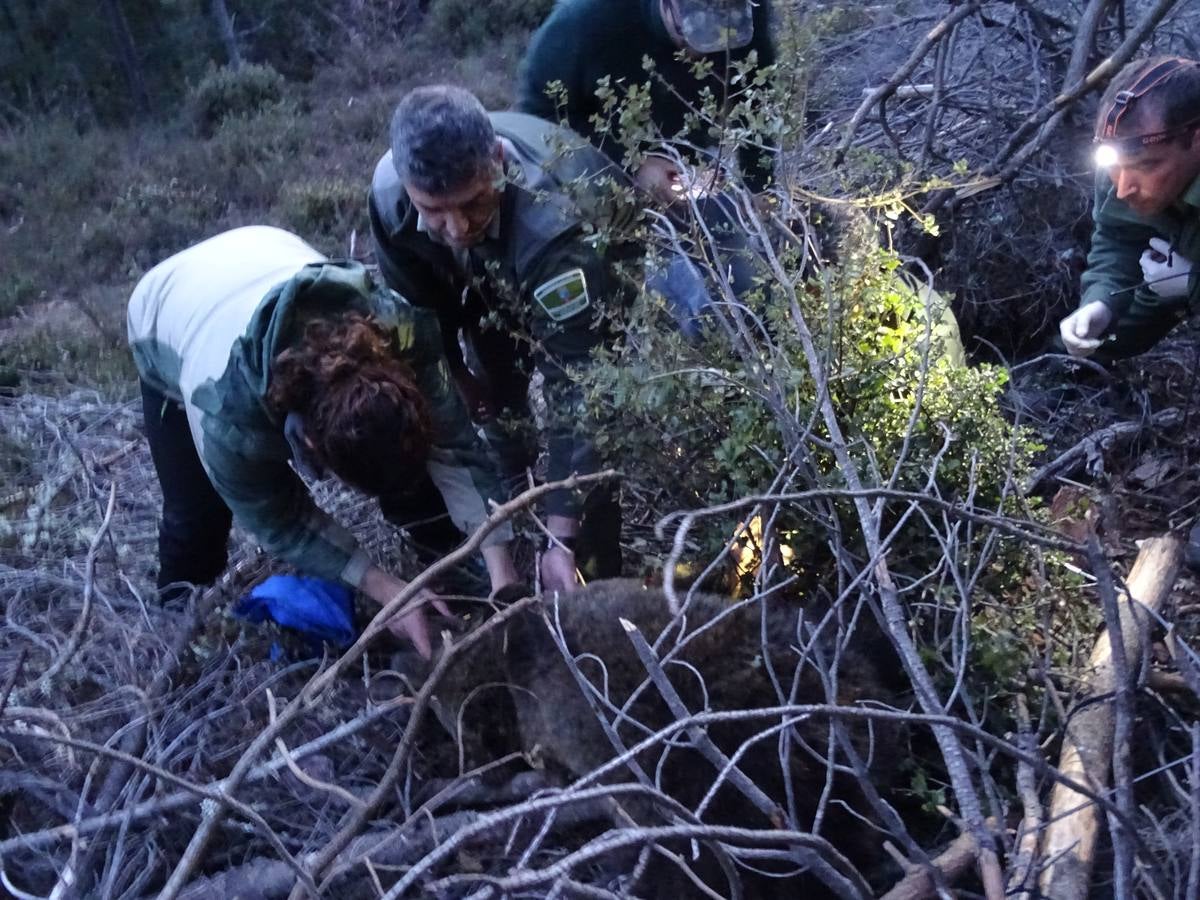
(403, 603)
(303, 777)
(85, 614)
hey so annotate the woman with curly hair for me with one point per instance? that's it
(253, 352)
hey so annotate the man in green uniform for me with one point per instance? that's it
(256, 354)
(509, 227)
(583, 42)
(1140, 280)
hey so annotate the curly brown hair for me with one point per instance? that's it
(362, 411)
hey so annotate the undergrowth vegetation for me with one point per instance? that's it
(89, 206)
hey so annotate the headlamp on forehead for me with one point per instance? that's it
(1111, 149)
(1106, 156)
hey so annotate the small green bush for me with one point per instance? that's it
(327, 208)
(225, 93)
(245, 146)
(472, 23)
(55, 362)
(15, 292)
(147, 222)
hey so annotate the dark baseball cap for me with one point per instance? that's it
(712, 25)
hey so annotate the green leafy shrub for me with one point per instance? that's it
(328, 208)
(472, 23)
(57, 361)
(698, 425)
(16, 292)
(266, 138)
(225, 93)
(147, 222)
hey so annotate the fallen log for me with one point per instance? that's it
(952, 863)
(1069, 841)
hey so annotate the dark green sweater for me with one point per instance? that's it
(584, 41)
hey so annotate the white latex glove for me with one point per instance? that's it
(1165, 273)
(1081, 330)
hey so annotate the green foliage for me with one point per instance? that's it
(55, 163)
(148, 221)
(15, 293)
(250, 152)
(326, 207)
(465, 24)
(226, 93)
(715, 424)
(69, 359)
(711, 422)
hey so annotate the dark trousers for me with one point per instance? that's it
(193, 534)
(686, 279)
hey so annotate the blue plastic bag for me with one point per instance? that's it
(321, 610)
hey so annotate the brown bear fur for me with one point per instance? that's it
(553, 716)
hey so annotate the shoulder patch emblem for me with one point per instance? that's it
(563, 296)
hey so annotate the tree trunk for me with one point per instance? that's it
(224, 23)
(128, 55)
(11, 22)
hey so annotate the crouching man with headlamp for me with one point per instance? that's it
(1141, 277)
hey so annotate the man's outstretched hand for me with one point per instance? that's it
(414, 627)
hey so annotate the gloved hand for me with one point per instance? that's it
(1166, 273)
(1081, 330)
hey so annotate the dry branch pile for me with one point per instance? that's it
(111, 767)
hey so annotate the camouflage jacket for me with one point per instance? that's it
(553, 272)
(205, 326)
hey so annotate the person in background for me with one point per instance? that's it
(1140, 280)
(585, 42)
(254, 351)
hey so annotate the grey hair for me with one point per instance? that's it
(441, 138)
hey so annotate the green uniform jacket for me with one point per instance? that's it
(583, 41)
(199, 337)
(558, 203)
(1119, 237)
